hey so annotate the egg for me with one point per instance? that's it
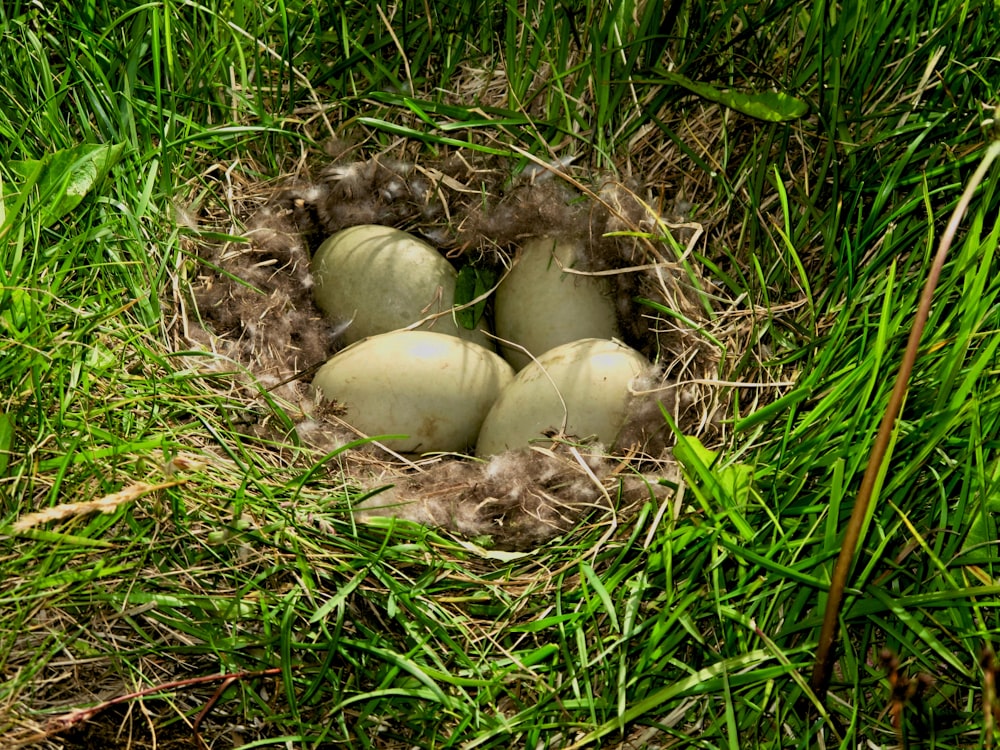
(431, 387)
(539, 306)
(383, 279)
(581, 388)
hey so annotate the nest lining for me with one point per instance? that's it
(251, 304)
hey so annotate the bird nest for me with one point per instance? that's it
(248, 303)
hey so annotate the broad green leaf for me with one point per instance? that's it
(18, 312)
(772, 106)
(980, 543)
(100, 358)
(67, 176)
(733, 480)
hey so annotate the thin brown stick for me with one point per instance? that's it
(823, 668)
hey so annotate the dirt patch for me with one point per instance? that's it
(251, 306)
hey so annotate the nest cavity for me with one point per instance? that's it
(251, 305)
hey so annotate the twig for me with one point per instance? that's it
(196, 726)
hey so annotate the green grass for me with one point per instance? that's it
(696, 630)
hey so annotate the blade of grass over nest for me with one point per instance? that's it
(772, 106)
(408, 132)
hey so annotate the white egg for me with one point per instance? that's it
(383, 279)
(540, 306)
(581, 388)
(433, 388)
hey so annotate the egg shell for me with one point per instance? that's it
(592, 377)
(539, 306)
(385, 279)
(434, 388)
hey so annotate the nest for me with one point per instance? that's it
(518, 499)
(251, 305)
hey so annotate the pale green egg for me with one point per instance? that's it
(382, 279)
(581, 388)
(433, 388)
(539, 305)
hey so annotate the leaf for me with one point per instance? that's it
(472, 284)
(99, 358)
(18, 312)
(66, 177)
(772, 106)
(733, 481)
(6, 441)
(980, 543)
(340, 598)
